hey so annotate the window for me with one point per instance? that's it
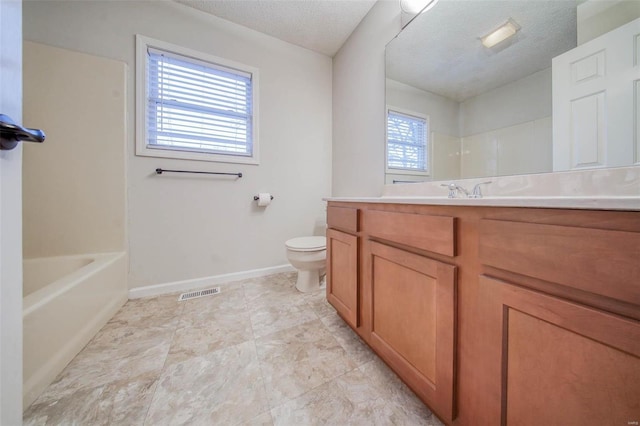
(407, 143)
(194, 106)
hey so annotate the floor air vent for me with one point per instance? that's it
(199, 293)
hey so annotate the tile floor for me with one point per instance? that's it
(258, 353)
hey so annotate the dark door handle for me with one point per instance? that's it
(12, 133)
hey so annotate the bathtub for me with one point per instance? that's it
(67, 299)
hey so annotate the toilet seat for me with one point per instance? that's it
(306, 244)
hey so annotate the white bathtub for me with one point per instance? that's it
(66, 301)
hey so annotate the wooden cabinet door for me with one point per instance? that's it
(342, 274)
(413, 312)
(560, 363)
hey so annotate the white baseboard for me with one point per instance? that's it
(196, 283)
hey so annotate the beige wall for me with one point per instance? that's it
(184, 227)
(443, 112)
(597, 17)
(74, 183)
(517, 102)
(359, 104)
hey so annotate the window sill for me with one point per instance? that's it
(145, 151)
(407, 172)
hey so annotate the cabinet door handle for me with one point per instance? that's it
(12, 133)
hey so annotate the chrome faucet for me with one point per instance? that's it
(454, 188)
(477, 192)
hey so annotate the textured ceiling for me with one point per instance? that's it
(440, 51)
(319, 25)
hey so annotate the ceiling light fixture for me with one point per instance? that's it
(500, 34)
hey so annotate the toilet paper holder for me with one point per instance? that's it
(256, 198)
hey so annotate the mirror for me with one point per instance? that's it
(489, 110)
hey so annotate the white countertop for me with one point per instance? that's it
(590, 203)
(595, 189)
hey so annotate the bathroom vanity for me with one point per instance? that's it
(522, 307)
(495, 315)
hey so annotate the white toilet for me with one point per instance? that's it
(309, 256)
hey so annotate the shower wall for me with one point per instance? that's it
(74, 182)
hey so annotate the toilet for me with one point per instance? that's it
(309, 256)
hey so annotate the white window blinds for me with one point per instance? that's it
(199, 106)
(406, 142)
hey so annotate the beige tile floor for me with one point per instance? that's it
(258, 353)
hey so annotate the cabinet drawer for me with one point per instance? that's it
(345, 218)
(598, 261)
(425, 232)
